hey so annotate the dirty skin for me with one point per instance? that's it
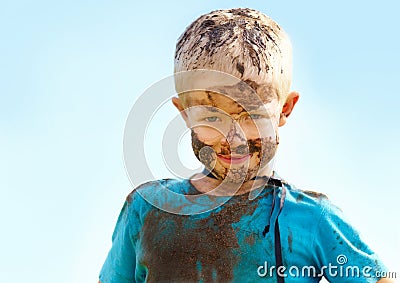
(248, 94)
(262, 148)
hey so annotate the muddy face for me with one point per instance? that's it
(234, 140)
(261, 151)
(234, 98)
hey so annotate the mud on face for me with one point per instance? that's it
(262, 150)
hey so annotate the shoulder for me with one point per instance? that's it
(325, 231)
(316, 208)
(150, 186)
(302, 197)
(308, 204)
(158, 194)
(158, 186)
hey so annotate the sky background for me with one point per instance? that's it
(70, 72)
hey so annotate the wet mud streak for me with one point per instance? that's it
(219, 34)
(263, 149)
(240, 68)
(180, 248)
(203, 152)
(234, 131)
(299, 198)
(290, 241)
(315, 194)
(248, 94)
(250, 40)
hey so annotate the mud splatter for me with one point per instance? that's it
(290, 241)
(217, 36)
(234, 131)
(266, 147)
(263, 149)
(250, 240)
(245, 12)
(249, 94)
(299, 198)
(180, 248)
(243, 96)
(315, 194)
(207, 23)
(215, 40)
(240, 68)
(202, 151)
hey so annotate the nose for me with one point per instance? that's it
(235, 136)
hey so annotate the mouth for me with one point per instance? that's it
(237, 159)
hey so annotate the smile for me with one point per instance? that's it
(234, 159)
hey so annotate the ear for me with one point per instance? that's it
(287, 108)
(178, 104)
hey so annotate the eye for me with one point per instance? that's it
(255, 116)
(211, 119)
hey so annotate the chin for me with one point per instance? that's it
(234, 174)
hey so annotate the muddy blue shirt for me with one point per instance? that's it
(227, 243)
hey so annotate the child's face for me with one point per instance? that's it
(233, 135)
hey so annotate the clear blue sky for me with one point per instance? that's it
(71, 70)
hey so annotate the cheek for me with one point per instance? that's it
(197, 142)
(263, 149)
(203, 151)
(255, 146)
(269, 148)
(262, 129)
(207, 134)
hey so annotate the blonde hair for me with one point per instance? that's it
(242, 42)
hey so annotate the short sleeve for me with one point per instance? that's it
(119, 266)
(341, 254)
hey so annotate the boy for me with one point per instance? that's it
(237, 221)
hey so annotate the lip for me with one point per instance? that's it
(234, 159)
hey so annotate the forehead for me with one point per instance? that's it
(234, 99)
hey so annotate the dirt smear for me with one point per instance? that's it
(181, 248)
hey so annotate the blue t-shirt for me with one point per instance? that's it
(228, 243)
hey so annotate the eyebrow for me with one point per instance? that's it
(261, 110)
(212, 109)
